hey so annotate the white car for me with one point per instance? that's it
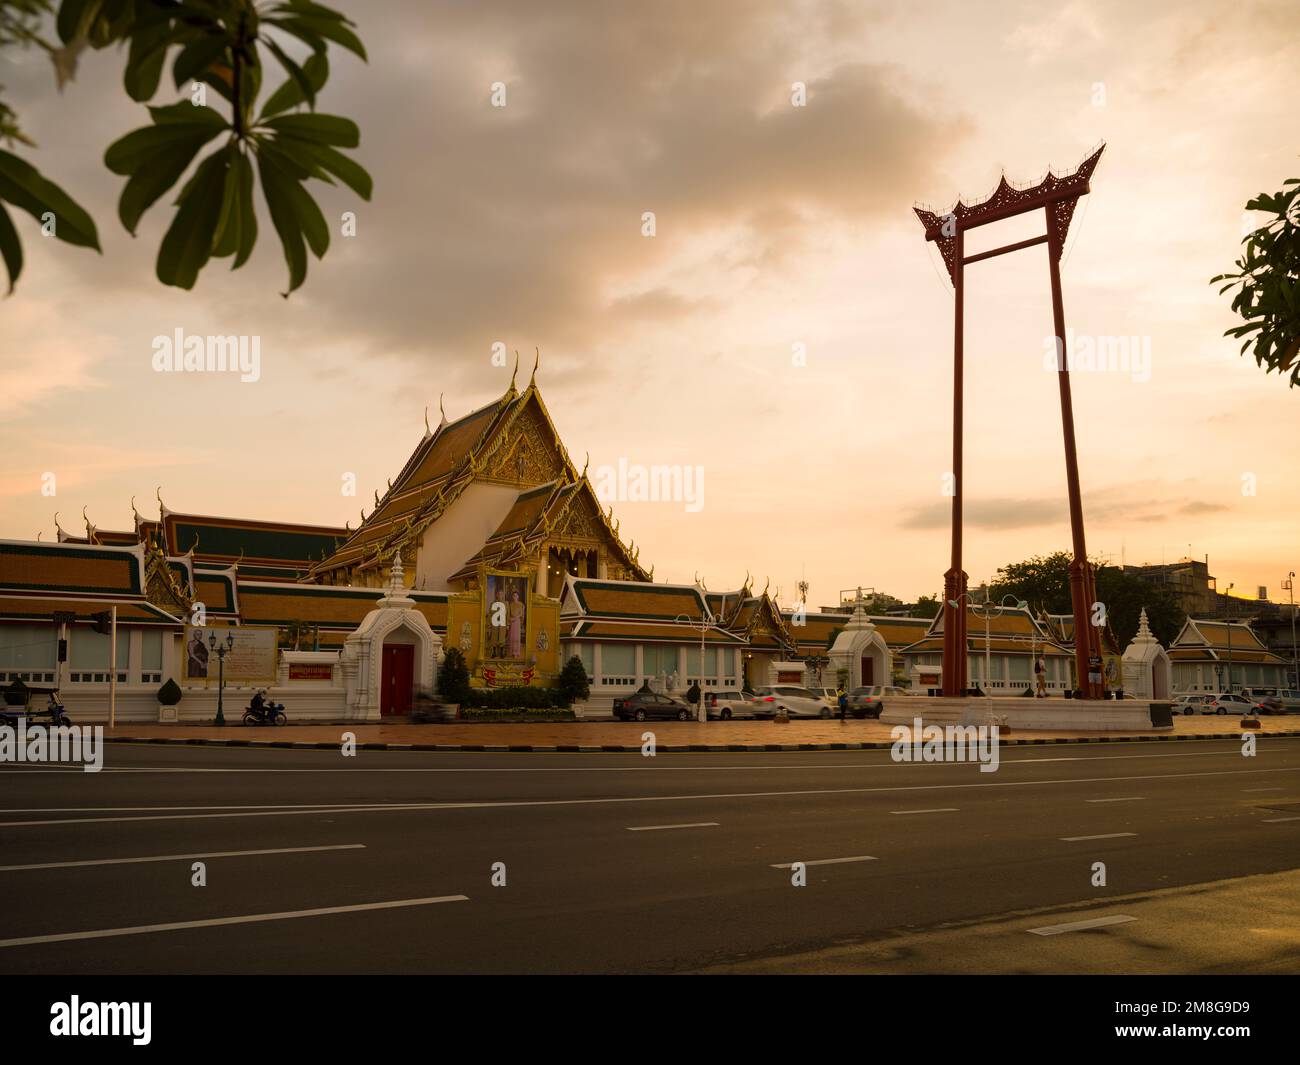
(723, 706)
(1189, 704)
(798, 702)
(1225, 703)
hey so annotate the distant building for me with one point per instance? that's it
(1190, 581)
(1207, 650)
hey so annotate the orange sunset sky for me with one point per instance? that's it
(776, 226)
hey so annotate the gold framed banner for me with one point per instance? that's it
(251, 660)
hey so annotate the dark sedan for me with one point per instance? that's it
(645, 705)
(864, 702)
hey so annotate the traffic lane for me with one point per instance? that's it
(222, 777)
(41, 833)
(573, 871)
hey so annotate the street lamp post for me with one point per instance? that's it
(1228, 610)
(988, 611)
(222, 649)
(705, 623)
(1295, 658)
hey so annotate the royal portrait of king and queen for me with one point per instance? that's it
(505, 617)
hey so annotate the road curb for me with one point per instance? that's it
(666, 748)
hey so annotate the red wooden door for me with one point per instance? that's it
(868, 671)
(397, 680)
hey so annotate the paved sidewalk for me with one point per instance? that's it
(627, 736)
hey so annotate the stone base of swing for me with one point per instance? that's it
(1051, 714)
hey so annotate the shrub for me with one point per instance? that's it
(453, 677)
(515, 698)
(170, 693)
(573, 682)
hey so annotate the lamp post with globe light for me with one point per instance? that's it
(222, 649)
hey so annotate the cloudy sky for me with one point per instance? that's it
(780, 230)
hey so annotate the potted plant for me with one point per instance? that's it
(168, 696)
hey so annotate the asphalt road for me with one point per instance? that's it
(625, 864)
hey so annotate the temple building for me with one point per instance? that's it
(489, 539)
(1206, 655)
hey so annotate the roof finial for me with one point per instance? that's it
(442, 414)
(135, 512)
(90, 529)
(427, 431)
(532, 381)
(586, 464)
(516, 371)
(58, 529)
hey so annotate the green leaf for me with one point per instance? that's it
(187, 245)
(321, 129)
(141, 148)
(74, 17)
(197, 56)
(144, 61)
(305, 209)
(23, 186)
(294, 71)
(247, 213)
(148, 183)
(334, 30)
(275, 188)
(11, 248)
(290, 94)
(230, 224)
(350, 172)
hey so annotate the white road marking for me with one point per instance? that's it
(1263, 789)
(180, 857)
(251, 918)
(660, 828)
(1105, 835)
(1278, 820)
(1129, 798)
(662, 768)
(1079, 926)
(711, 796)
(828, 861)
(936, 810)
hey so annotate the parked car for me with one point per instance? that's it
(1275, 700)
(1189, 704)
(1228, 703)
(888, 691)
(867, 702)
(797, 702)
(723, 706)
(645, 705)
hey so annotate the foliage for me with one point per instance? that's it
(1044, 582)
(1268, 284)
(170, 693)
(573, 681)
(927, 606)
(521, 697)
(453, 677)
(217, 45)
(510, 713)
